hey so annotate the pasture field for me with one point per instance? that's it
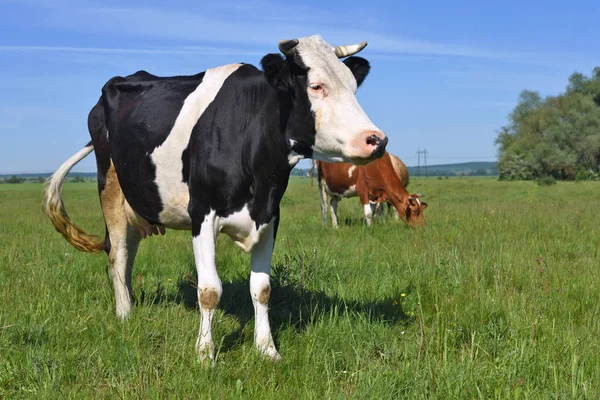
(499, 297)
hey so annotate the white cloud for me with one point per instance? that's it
(248, 26)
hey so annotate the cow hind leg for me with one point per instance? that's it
(333, 207)
(260, 291)
(122, 243)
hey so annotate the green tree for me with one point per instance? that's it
(13, 179)
(557, 136)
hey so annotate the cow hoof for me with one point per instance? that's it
(206, 352)
(270, 353)
(123, 312)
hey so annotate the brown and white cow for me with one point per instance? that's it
(375, 182)
(402, 172)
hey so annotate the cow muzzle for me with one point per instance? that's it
(368, 146)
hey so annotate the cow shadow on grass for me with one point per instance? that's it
(290, 305)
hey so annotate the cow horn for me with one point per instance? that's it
(287, 46)
(345, 51)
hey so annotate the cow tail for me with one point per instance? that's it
(312, 172)
(54, 208)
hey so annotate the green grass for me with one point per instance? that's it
(502, 300)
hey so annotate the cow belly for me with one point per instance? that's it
(349, 192)
(175, 213)
(241, 228)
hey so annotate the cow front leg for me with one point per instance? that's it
(260, 290)
(209, 284)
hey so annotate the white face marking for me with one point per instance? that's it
(174, 193)
(340, 120)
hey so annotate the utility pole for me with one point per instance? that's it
(425, 155)
(418, 162)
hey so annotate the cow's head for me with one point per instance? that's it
(414, 211)
(321, 91)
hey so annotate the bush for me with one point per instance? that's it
(586, 175)
(78, 179)
(13, 179)
(546, 181)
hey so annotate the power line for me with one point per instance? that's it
(474, 158)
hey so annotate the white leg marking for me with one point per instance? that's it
(209, 284)
(122, 256)
(334, 205)
(260, 290)
(368, 213)
(394, 211)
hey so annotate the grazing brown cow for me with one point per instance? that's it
(373, 183)
(402, 172)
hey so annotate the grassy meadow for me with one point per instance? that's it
(499, 297)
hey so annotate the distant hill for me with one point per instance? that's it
(87, 175)
(474, 168)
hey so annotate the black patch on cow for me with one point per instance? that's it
(185, 159)
(97, 129)
(360, 68)
(140, 111)
(240, 145)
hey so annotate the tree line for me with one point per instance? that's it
(557, 136)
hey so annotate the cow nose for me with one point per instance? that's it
(379, 145)
(373, 140)
(376, 141)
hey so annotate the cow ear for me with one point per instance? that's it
(274, 67)
(423, 205)
(360, 68)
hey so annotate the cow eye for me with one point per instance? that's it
(316, 87)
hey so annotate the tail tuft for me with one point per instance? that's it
(54, 208)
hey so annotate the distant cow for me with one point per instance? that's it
(213, 153)
(402, 172)
(375, 182)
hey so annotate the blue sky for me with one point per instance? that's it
(444, 74)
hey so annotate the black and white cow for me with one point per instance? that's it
(213, 153)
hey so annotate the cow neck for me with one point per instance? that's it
(399, 199)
